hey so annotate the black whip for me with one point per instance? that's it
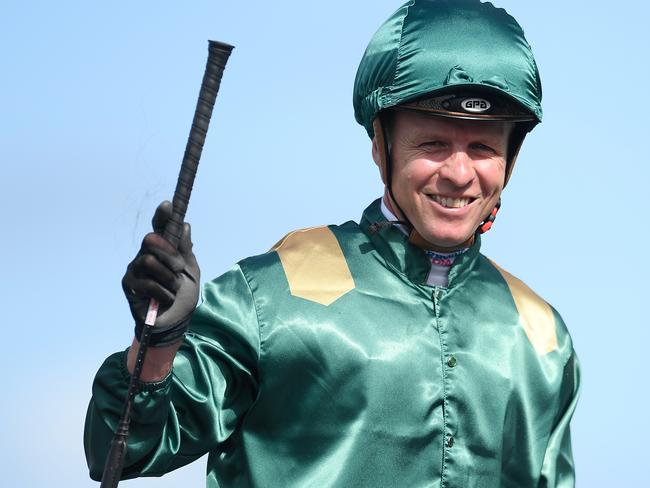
(218, 54)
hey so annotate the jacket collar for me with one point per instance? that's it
(406, 258)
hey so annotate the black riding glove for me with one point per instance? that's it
(170, 276)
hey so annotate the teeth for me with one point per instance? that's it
(451, 202)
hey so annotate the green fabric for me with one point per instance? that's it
(432, 45)
(285, 392)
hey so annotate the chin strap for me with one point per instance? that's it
(386, 171)
(487, 223)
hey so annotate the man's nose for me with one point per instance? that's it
(457, 169)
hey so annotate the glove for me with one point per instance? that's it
(170, 276)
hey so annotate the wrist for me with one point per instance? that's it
(157, 362)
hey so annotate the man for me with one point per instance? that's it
(386, 353)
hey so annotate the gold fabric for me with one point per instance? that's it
(535, 314)
(314, 265)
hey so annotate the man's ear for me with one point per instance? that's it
(379, 148)
(375, 152)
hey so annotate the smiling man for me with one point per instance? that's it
(388, 353)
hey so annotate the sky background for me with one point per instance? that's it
(96, 100)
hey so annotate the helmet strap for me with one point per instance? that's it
(487, 223)
(517, 137)
(386, 170)
(516, 140)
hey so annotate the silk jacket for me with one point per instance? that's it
(328, 362)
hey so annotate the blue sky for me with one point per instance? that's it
(96, 102)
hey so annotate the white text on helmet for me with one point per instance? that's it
(475, 105)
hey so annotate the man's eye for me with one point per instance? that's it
(432, 144)
(483, 148)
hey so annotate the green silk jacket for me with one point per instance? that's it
(328, 362)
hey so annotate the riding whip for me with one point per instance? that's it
(218, 54)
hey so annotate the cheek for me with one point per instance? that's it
(417, 173)
(491, 175)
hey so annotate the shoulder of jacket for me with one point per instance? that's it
(539, 320)
(314, 264)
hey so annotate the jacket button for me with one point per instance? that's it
(451, 362)
(450, 441)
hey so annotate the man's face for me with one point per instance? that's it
(447, 173)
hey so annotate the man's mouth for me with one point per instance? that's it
(450, 202)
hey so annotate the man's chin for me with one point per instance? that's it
(449, 240)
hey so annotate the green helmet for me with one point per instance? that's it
(453, 58)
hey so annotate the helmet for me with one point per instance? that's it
(454, 58)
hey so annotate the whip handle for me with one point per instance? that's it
(218, 54)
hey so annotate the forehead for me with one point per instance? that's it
(413, 122)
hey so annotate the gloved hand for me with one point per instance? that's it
(170, 276)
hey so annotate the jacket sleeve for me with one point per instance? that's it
(558, 470)
(213, 383)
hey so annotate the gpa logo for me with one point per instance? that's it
(475, 105)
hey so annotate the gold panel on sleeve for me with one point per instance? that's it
(314, 265)
(535, 315)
